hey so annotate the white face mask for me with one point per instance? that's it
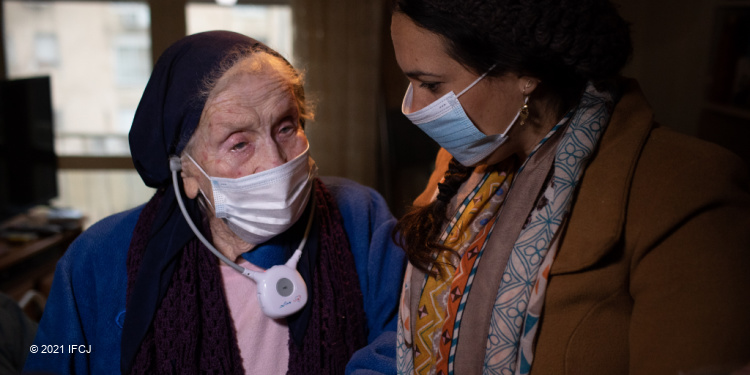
(262, 205)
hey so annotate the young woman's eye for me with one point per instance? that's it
(431, 86)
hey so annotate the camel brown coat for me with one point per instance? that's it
(653, 272)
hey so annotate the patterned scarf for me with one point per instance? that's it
(520, 297)
(466, 234)
(192, 330)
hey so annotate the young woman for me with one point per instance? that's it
(563, 230)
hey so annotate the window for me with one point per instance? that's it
(98, 55)
(132, 61)
(269, 24)
(46, 50)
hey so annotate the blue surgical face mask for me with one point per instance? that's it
(446, 122)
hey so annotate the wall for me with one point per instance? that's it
(337, 43)
(671, 41)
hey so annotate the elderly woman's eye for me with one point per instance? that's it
(239, 146)
(287, 129)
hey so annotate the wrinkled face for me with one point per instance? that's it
(249, 124)
(491, 104)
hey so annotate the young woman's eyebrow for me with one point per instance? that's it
(418, 73)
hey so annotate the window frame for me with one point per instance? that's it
(168, 24)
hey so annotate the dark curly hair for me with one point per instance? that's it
(563, 43)
(418, 230)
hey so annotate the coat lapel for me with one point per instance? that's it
(598, 215)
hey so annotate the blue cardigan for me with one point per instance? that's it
(87, 303)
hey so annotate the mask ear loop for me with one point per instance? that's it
(205, 174)
(194, 162)
(476, 81)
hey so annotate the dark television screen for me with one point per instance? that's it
(28, 164)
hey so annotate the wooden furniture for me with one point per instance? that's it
(29, 264)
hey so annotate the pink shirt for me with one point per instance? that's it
(263, 342)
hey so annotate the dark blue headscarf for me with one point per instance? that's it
(172, 103)
(166, 118)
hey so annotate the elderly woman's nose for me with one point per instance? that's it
(270, 156)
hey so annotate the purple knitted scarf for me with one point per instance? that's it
(192, 331)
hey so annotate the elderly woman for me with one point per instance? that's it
(563, 230)
(220, 134)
